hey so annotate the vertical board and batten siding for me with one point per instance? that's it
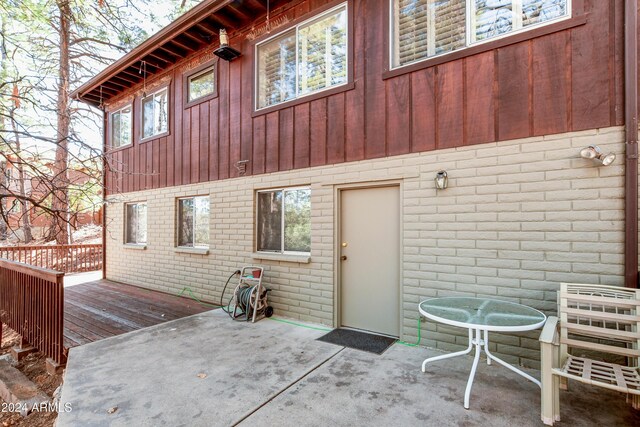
(566, 81)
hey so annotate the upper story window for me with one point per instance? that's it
(427, 28)
(155, 114)
(305, 59)
(193, 222)
(121, 127)
(136, 223)
(284, 220)
(201, 84)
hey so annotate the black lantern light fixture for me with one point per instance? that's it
(225, 51)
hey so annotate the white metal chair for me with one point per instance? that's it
(592, 319)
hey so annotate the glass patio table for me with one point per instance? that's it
(481, 316)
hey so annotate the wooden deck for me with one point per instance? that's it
(102, 309)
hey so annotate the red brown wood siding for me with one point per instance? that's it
(569, 80)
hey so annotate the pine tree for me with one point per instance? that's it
(53, 47)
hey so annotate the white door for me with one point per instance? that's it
(369, 259)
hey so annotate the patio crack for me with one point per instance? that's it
(262, 405)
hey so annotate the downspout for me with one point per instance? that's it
(631, 143)
(104, 194)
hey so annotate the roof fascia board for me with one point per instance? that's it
(181, 24)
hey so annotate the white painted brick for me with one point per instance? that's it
(518, 218)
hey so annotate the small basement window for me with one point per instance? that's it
(155, 114)
(121, 127)
(284, 221)
(422, 29)
(193, 222)
(136, 223)
(201, 84)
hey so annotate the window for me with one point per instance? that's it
(201, 84)
(16, 207)
(308, 58)
(427, 28)
(284, 220)
(193, 222)
(136, 223)
(155, 113)
(121, 127)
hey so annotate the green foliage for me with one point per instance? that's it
(85, 197)
(297, 221)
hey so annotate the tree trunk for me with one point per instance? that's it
(60, 203)
(25, 214)
(3, 163)
(3, 183)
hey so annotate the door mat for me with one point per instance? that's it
(358, 340)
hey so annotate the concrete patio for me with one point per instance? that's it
(207, 370)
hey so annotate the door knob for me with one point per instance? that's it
(343, 258)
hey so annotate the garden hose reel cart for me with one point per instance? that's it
(250, 297)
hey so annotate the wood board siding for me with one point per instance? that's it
(568, 80)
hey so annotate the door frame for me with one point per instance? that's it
(337, 279)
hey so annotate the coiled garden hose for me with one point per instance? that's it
(244, 298)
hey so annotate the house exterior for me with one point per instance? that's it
(314, 155)
(37, 187)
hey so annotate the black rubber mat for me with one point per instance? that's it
(359, 340)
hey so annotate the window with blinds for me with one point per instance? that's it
(425, 28)
(303, 60)
(277, 70)
(121, 127)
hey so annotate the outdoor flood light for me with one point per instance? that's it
(225, 51)
(442, 180)
(595, 153)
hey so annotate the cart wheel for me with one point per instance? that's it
(268, 311)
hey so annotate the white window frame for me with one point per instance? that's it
(469, 35)
(119, 111)
(282, 223)
(211, 69)
(193, 230)
(126, 224)
(296, 28)
(148, 137)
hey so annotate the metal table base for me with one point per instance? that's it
(480, 339)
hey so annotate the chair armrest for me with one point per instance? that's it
(550, 331)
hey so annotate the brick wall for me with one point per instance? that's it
(518, 218)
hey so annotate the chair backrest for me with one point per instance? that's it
(600, 318)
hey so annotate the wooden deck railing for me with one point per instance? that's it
(32, 304)
(65, 258)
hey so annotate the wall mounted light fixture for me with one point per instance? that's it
(595, 153)
(442, 180)
(225, 51)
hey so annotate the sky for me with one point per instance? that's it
(150, 17)
(89, 132)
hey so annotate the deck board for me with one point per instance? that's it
(103, 309)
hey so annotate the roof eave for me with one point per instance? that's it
(178, 26)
